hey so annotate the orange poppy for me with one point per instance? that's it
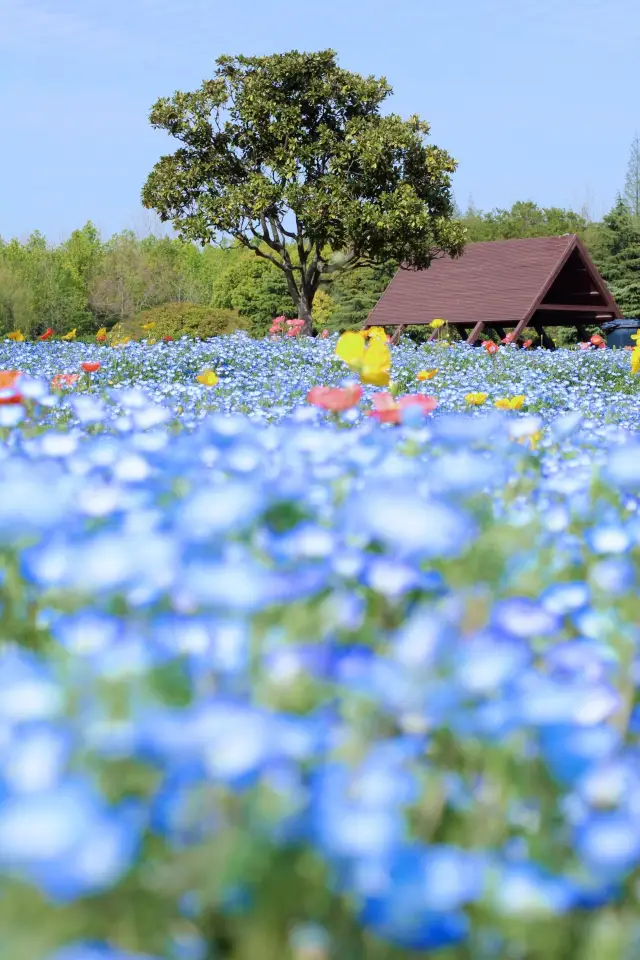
(490, 346)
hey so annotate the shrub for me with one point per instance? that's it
(187, 319)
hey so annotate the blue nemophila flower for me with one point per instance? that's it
(395, 515)
(34, 759)
(523, 617)
(212, 510)
(582, 658)
(562, 598)
(527, 891)
(609, 844)
(571, 751)
(28, 689)
(88, 409)
(490, 661)
(66, 841)
(615, 576)
(95, 951)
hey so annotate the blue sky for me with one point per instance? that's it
(537, 99)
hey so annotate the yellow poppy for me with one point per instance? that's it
(475, 399)
(510, 403)
(436, 324)
(376, 364)
(101, 334)
(151, 342)
(149, 326)
(208, 377)
(17, 336)
(427, 374)
(372, 362)
(71, 335)
(350, 348)
(376, 333)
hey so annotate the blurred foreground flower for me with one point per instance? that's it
(8, 391)
(475, 399)
(635, 360)
(208, 377)
(372, 362)
(335, 399)
(388, 410)
(64, 380)
(510, 403)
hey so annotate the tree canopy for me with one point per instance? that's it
(617, 255)
(291, 155)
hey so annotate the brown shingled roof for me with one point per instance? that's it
(511, 283)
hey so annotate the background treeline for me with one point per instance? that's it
(87, 282)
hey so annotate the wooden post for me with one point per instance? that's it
(475, 333)
(400, 329)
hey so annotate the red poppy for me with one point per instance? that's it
(90, 366)
(8, 379)
(168, 339)
(47, 334)
(490, 346)
(335, 399)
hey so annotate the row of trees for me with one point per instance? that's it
(86, 282)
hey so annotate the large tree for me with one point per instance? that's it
(291, 155)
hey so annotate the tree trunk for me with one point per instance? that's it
(304, 313)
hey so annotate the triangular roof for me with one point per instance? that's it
(503, 282)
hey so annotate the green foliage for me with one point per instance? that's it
(191, 320)
(524, 219)
(290, 148)
(355, 293)
(40, 287)
(254, 288)
(617, 256)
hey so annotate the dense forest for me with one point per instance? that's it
(89, 282)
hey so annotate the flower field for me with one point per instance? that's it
(283, 679)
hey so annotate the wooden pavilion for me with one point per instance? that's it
(502, 285)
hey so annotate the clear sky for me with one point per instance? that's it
(537, 99)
